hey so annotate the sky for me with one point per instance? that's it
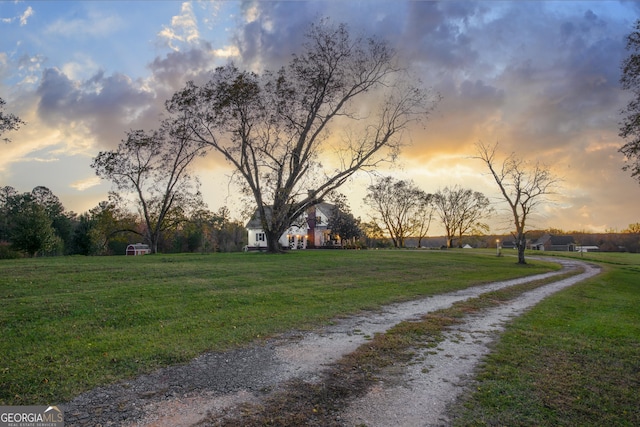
(540, 78)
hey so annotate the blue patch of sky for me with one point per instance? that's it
(113, 36)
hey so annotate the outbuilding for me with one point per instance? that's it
(549, 242)
(138, 249)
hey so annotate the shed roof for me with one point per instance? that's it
(138, 246)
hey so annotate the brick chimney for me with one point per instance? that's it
(311, 222)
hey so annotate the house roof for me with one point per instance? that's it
(555, 240)
(255, 221)
(325, 207)
(138, 246)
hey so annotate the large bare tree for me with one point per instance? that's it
(279, 129)
(524, 186)
(461, 210)
(155, 168)
(630, 125)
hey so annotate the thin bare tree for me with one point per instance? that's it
(524, 186)
(155, 168)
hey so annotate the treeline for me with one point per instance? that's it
(627, 240)
(37, 224)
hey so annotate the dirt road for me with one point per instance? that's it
(417, 395)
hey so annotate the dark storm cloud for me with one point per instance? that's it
(560, 97)
(274, 31)
(439, 33)
(547, 75)
(176, 68)
(539, 73)
(108, 105)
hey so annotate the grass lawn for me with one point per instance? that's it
(69, 324)
(573, 360)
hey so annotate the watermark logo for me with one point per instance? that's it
(31, 416)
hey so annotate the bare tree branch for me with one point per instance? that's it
(275, 128)
(155, 167)
(523, 186)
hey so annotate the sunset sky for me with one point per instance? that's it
(541, 78)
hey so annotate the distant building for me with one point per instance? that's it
(587, 249)
(138, 249)
(508, 244)
(550, 242)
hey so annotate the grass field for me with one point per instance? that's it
(70, 324)
(573, 360)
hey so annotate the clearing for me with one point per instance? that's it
(220, 387)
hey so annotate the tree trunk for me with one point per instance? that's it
(522, 245)
(152, 238)
(273, 242)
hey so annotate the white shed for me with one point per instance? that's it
(138, 249)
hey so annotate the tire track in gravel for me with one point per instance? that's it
(215, 382)
(428, 387)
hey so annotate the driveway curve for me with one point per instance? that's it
(216, 382)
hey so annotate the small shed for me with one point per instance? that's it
(138, 249)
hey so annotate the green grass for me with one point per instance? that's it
(573, 360)
(70, 324)
(320, 403)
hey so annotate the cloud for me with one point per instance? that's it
(95, 25)
(103, 106)
(176, 68)
(25, 16)
(227, 52)
(37, 160)
(439, 33)
(183, 28)
(86, 183)
(83, 66)
(271, 31)
(540, 77)
(22, 19)
(29, 68)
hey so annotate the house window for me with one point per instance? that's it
(260, 237)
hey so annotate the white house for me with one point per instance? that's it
(309, 231)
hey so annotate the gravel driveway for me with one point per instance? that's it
(418, 395)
